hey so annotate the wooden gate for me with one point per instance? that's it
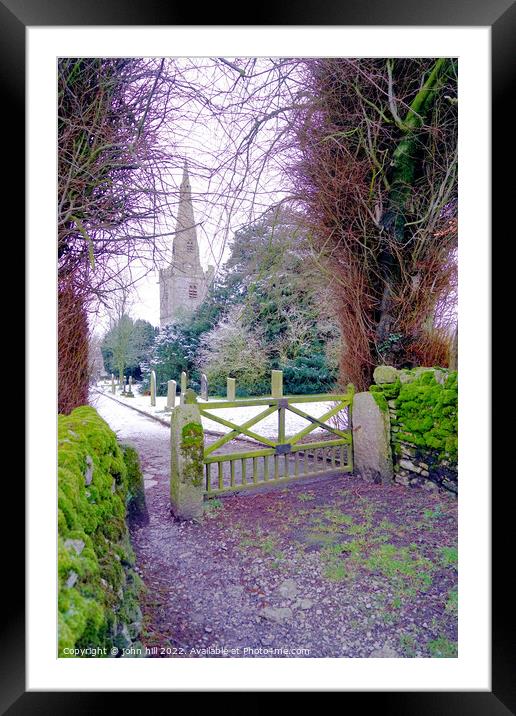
(284, 457)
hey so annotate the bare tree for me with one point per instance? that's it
(112, 174)
(379, 178)
(366, 150)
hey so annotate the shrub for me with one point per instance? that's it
(230, 350)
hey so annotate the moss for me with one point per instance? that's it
(449, 556)
(391, 390)
(192, 434)
(384, 392)
(94, 551)
(135, 484)
(380, 400)
(452, 603)
(402, 562)
(426, 410)
(192, 449)
(442, 648)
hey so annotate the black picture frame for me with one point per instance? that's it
(500, 15)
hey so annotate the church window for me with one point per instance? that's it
(192, 291)
(189, 246)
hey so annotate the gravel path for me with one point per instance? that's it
(333, 568)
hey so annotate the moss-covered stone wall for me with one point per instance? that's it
(98, 481)
(423, 408)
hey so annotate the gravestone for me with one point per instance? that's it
(130, 393)
(277, 383)
(204, 387)
(171, 395)
(231, 389)
(153, 388)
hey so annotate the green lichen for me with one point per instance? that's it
(192, 449)
(94, 552)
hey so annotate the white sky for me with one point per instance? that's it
(206, 141)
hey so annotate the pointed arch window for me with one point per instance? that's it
(189, 246)
(192, 291)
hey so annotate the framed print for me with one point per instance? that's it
(343, 588)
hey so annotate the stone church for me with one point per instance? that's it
(183, 284)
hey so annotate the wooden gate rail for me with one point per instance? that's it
(282, 459)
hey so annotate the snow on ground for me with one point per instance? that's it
(127, 424)
(268, 427)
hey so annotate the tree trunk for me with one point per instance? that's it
(72, 351)
(404, 161)
(453, 363)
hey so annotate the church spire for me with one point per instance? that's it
(185, 246)
(183, 284)
(185, 183)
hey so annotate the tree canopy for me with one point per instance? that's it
(126, 346)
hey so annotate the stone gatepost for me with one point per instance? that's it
(113, 387)
(231, 389)
(130, 393)
(204, 387)
(153, 388)
(186, 459)
(371, 439)
(171, 395)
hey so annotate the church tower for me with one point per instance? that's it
(183, 284)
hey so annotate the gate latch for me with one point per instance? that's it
(283, 449)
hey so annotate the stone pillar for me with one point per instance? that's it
(186, 459)
(124, 385)
(231, 389)
(171, 395)
(113, 387)
(371, 439)
(277, 383)
(153, 387)
(130, 393)
(204, 387)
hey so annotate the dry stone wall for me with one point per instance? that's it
(422, 405)
(99, 482)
